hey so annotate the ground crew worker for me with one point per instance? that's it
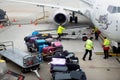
(60, 31)
(88, 48)
(106, 47)
(96, 32)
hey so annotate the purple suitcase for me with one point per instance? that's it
(32, 39)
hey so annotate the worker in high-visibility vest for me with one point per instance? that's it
(106, 47)
(96, 32)
(60, 31)
(88, 48)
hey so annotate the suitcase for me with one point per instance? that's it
(78, 75)
(39, 42)
(61, 76)
(33, 39)
(41, 47)
(44, 36)
(72, 75)
(49, 50)
(74, 60)
(58, 68)
(72, 66)
(49, 41)
(57, 44)
(47, 58)
(58, 61)
(27, 38)
(59, 54)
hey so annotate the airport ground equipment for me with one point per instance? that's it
(4, 18)
(70, 33)
(6, 74)
(26, 61)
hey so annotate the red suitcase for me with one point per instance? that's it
(49, 50)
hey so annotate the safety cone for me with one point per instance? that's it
(1, 26)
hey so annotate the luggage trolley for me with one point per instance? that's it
(26, 61)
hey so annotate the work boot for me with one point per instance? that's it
(90, 59)
(83, 59)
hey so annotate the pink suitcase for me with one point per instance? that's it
(57, 44)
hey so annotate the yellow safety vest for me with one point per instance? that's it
(106, 43)
(60, 29)
(89, 44)
(2, 60)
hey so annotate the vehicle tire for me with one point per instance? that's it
(71, 19)
(76, 19)
(84, 38)
(114, 49)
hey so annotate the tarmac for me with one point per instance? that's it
(96, 69)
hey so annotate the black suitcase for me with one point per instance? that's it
(73, 75)
(58, 68)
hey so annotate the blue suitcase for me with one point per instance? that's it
(39, 42)
(41, 47)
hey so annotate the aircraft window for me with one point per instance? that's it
(118, 9)
(109, 9)
(113, 9)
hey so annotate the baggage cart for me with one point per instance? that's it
(26, 61)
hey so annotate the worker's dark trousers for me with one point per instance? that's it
(96, 36)
(106, 55)
(86, 52)
(59, 36)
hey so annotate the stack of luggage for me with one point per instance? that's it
(34, 42)
(43, 44)
(65, 66)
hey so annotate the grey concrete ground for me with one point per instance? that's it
(97, 69)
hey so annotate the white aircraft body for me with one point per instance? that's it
(105, 15)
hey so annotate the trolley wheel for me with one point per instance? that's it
(24, 70)
(29, 49)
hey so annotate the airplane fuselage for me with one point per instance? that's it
(106, 17)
